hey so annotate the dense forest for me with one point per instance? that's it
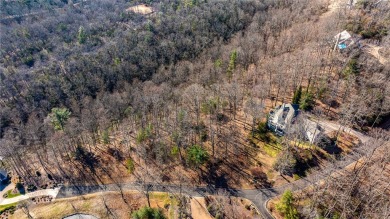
(92, 92)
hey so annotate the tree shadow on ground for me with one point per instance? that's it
(86, 158)
(221, 181)
(117, 154)
(333, 149)
(329, 144)
(305, 161)
(260, 179)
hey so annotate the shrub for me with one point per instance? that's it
(286, 206)
(141, 136)
(197, 155)
(307, 101)
(31, 188)
(262, 132)
(201, 130)
(148, 213)
(175, 137)
(130, 165)
(58, 117)
(218, 63)
(257, 173)
(29, 61)
(297, 95)
(232, 63)
(144, 134)
(209, 208)
(296, 176)
(175, 151)
(203, 136)
(367, 34)
(81, 37)
(220, 117)
(209, 107)
(352, 67)
(323, 141)
(105, 137)
(19, 186)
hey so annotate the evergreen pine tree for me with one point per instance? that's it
(297, 95)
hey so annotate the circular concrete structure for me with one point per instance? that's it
(80, 216)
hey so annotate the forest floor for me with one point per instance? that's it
(302, 193)
(249, 167)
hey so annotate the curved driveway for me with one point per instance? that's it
(45, 192)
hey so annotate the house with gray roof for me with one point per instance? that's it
(281, 117)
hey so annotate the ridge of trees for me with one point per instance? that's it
(169, 84)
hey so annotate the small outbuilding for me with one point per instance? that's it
(343, 40)
(80, 216)
(312, 131)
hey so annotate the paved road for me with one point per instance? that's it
(331, 126)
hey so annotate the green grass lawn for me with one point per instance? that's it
(164, 197)
(304, 144)
(6, 207)
(266, 140)
(11, 195)
(271, 150)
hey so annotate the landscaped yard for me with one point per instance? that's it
(11, 194)
(94, 204)
(6, 207)
(163, 200)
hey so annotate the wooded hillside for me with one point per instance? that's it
(92, 93)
